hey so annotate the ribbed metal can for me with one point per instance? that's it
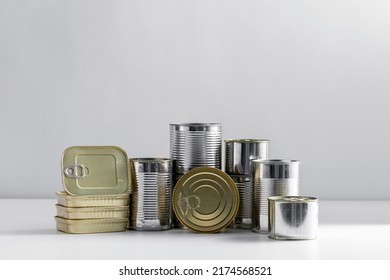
(151, 200)
(293, 217)
(238, 164)
(241, 152)
(195, 145)
(273, 177)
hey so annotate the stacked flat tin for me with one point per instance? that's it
(238, 164)
(194, 145)
(96, 181)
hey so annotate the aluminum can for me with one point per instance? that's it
(205, 200)
(241, 152)
(239, 155)
(195, 145)
(150, 202)
(293, 217)
(273, 177)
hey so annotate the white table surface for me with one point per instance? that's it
(347, 230)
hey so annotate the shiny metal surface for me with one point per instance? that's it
(95, 170)
(195, 145)
(64, 199)
(80, 213)
(244, 186)
(293, 217)
(90, 225)
(241, 152)
(150, 202)
(272, 178)
(205, 200)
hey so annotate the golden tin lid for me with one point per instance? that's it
(95, 170)
(205, 199)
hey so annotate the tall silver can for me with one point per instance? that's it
(273, 177)
(195, 145)
(151, 200)
(293, 217)
(238, 164)
(241, 152)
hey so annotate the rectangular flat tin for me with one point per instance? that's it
(121, 212)
(95, 170)
(64, 199)
(91, 226)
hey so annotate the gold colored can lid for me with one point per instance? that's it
(95, 170)
(205, 199)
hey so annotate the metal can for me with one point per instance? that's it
(293, 217)
(238, 164)
(241, 152)
(205, 200)
(195, 145)
(150, 202)
(273, 177)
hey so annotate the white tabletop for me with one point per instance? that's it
(348, 230)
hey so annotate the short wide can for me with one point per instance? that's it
(293, 217)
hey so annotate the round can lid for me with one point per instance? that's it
(205, 199)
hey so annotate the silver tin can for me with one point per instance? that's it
(151, 200)
(274, 177)
(293, 217)
(195, 145)
(241, 152)
(243, 219)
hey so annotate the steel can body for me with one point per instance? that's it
(239, 155)
(150, 202)
(272, 178)
(293, 217)
(241, 152)
(195, 145)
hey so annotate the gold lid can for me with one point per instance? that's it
(95, 170)
(205, 199)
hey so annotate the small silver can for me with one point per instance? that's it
(241, 152)
(151, 200)
(272, 177)
(293, 217)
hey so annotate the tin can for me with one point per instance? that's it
(195, 145)
(150, 202)
(293, 217)
(95, 170)
(274, 177)
(205, 200)
(243, 219)
(241, 152)
(64, 199)
(81, 213)
(90, 225)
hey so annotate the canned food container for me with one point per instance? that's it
(205, 200)
(150, 202)
(90, 226)
(241, 152)
(244, 186)
(120, 212)
(95, 170)
(67, 200)
(293, 217)
(273, 177)
(195, 145)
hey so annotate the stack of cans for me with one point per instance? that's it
(238, 164)
(96, 184)
(194, 145)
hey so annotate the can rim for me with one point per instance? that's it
(293, 199)
(276, 161)
(247, 140)
(196, 124)
(151, 159)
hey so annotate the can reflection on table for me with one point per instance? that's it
(151, 200)
(273, 177)
(293, 217)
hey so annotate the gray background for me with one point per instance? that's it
(311, 76)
